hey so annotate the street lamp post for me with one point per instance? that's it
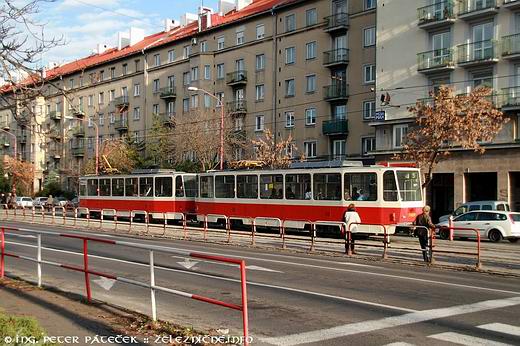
(97, 138)
(15, 155)
(192, 88)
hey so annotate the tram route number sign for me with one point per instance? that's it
(380, 116)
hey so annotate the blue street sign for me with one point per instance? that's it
(380, 116)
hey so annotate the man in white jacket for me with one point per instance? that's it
(351, 216)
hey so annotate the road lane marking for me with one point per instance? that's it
(466, 340)
(502, 328)
(249, 283)
(400, 344)
(389, 322)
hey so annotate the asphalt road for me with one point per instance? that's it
(295, 298)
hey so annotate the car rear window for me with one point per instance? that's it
(515, 217)
(474, 207)
(27, 199)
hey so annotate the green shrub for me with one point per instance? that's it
(17, 328)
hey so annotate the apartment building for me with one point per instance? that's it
(465, 44)
(304, 68)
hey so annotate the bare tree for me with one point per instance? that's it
(115, 156)
(273, 154)
(450, 121)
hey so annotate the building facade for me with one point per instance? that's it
(304, 68)
(464, 44)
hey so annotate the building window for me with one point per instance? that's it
(89, 142)
(207, 101)
(310, 83)
(124, 91)
(194, 73)
(259, 123)
(289, 119)
(311, 17)
(369, 35)
(290, 55)
(369, 74)
(155, 109)
(157, 60)
(156, 85)
(137, 89)
(370, 4)
(185, 105)
(125, 69)
(260, 62)
(368, 144)
(339, 148)
(207, 72)
(220, 96)
(220, 43)
(90, 100)
(400, 132)
(289, 88)
(239, 124)
(186, 78)
(71, 83)
(186, 51)
(102, 75)
(171, 82)
(194, 101)
(220, 71)
(101, 119)
(112, 72)
(260, 31)
(310, 116)
(240, 38)
(260, 92)
(112, 117)
(137, 113)
(369, 110)
(170, 108)
(310, 50)
(204, 46)
(309, 149)
(290, 23)
(101, 98)
(171, 55)
(137, 64)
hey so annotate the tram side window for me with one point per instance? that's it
(83, 188)
(271, 186)
(247, 186)
(179, 186)
(298, 186)
(225, 186)
(92, 187)
(206, 187)
(118, 187)
(163, 186)
(327, 186)
(131, 187)
(145, 187)
(389, 187)
(104, 187)
(360, 187)
(191, 187)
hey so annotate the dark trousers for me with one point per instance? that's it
(424, 247)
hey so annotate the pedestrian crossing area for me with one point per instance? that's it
(507, 331)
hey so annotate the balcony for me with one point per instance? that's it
(78, 131)
(510, 99)
(436, 15)
(121, 124)
(336, 92)
(167, 118)
(121, 101)
(78, 151)
(335, 127)
(237, 107)
(511, 46)
(168, 92)
(239, 135)
(434, 61)
(55, 154)
(477, 53)
(511, 4)
(473, 9)
(78, 112)
(22, 139)
(336, 57)
(55, 134)
(5, 125)
(336, 22)
(237, 78)
(55, 115)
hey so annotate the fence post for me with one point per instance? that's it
(385, 243)
(2, 256)
(205, 227)
(348, 240)
(152, 287)
(244, 301)
(253, 233)
(53, 214)
(450, 225)
(228, 230)
(313, 236)
(479, 264)
(184, 228)
(284, 246)
(431, 245)
(39, 258)
(101, 218)
(85, 268)
(147, 222)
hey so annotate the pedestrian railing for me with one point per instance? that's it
(386, 236)
(477, 254)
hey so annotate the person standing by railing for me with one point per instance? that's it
(424, 226)
(351, 216)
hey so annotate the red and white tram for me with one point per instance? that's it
(383, 194)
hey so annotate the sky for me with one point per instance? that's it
(84, 23)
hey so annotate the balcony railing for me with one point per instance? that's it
(78, 131)
(237, 77)
(121, 124)
(511, 45)
(512, 4)
(55, 134)
(121, 101)
(78, 151)
(335, 57)
(335, 91)
(239, 135)
(337, 21)
(335, 127)
(510, 97)
(168, 92)
(78, 112)
(435, 59)
(166, 118)
(469, 7)
(55, 115)
(440, 11)
(476, 52)
(238, 106)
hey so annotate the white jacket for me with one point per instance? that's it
(352, 217)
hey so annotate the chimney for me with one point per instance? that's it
(225, 6)
(123, 40)
(170, 24)
(188, 18)
(101, 48)
(205, 18)
(136, 35)
(240, 4)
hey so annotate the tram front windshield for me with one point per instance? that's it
(409, 186)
